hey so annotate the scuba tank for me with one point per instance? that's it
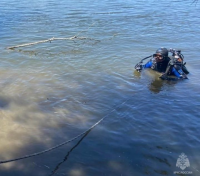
(177, 60)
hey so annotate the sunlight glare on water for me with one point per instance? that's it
(53, 91)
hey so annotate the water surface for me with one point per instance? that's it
(51, 92)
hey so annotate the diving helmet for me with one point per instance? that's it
(161, 54)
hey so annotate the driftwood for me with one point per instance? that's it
(48, 40)
(51, 39)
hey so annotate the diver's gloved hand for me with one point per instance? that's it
(139, 67)
(164, 76)
(183, 76)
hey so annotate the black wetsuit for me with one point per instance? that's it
(158, 66)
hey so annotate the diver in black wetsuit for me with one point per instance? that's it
(167, 65)
(176, 66)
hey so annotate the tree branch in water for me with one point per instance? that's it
(48, 40)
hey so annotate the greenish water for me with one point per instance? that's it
(51, 92)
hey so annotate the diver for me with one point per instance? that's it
(161, 62)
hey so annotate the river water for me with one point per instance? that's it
(51, 92)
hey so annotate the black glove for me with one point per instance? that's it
(139, 67)
(164, 76)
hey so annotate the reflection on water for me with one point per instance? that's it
(51, 92)
(156, 84)
(66, 157)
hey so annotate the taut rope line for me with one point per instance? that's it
(66, 142)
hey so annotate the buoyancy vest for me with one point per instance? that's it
(160, 66)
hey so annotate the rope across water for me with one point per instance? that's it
(66, 142)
